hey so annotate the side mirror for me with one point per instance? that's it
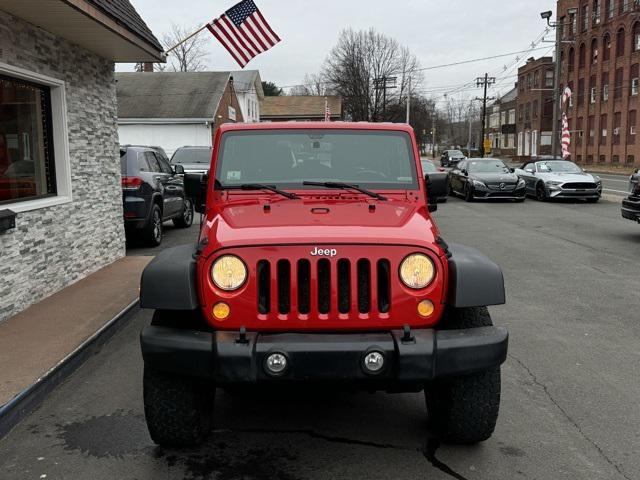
(512, 170)
(437, 187)
(195, 187)
(465, 173)
(178, 169)
(529, 170)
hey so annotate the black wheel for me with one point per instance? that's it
(468, 194)
(152, 232)
(593, 200)
(178, 410)
(186, 219)
(465, 409)
(541, 193)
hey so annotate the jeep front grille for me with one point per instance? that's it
(356, 289)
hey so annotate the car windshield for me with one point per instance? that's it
(455, 153)
(428, 167)
(287, 158)
(558, 166)
(486, 166)
(192, 155)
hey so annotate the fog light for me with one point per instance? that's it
(276, 363)
(221, 311)
(373, 362)
(426, 308)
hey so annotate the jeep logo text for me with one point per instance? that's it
(327, 252)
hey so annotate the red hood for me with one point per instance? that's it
(245, 222)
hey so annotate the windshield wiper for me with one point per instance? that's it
(260, 186)
(345, 186)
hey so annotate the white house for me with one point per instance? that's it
(174, 109)
(248, 85)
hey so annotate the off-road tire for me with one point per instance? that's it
(149, 233)
(464, 410)
(178, 410)
(185, 220)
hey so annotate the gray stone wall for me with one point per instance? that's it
(55, 247)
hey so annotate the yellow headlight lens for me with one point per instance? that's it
(221, 311)
(426, 308)
(417, 271)
(228, 272)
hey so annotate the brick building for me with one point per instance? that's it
(501, 125)
(601, 66)
(535, 108)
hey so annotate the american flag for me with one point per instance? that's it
(327, 110)
(244, 32)
(566, 134)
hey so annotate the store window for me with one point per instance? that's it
(27, 164)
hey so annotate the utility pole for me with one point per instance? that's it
(485, 82)
(409, 102)
(384, 83)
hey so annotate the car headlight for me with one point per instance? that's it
(478, 183)
(521, 183)
(228, 273)
(417, 271)
(554, 184)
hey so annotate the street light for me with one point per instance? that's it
(546, 15)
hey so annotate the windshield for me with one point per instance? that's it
(559, 166)
(487, 166)
(192, 155)
(287, 158)
(455, 153)
(429, 167)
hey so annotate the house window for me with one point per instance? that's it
(27, 163)
(572, 59)
(579, 159)
(585, 18)
(615, 159)
(631, 138)
(634, 79)
(580, 91)
(596, 12)
(610, 9)
(535, 109)
(581, 56)
(536, 78)
(548, 78)
(605, 86)
(636, 36)
(579, 130)
(603, 129)
(512, 116)
(620, 43)
(631, 159)
(592, 89)
(624, 6)
(601, 159)
(594, 52)
(591, 128)
(617, 123)
(606, 46)
(571, 97)
(573, 24)
(589, 159)
(618, 84)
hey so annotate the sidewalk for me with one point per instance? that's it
(38, 339)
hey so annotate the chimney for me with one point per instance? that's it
(147, 67)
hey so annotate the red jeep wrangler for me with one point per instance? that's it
(318, 263)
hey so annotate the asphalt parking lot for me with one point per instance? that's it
(569, 410)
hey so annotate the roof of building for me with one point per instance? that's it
(123, 12)
(300, 106)
(170, 94)
(243, 79)
(510, 96)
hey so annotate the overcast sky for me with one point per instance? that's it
(437, 31)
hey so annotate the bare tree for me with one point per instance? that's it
(313, 84)
(189, 56)
(371, 72)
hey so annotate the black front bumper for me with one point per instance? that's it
(228, 359)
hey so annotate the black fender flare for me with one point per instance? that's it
(474, 279)
(169, 281)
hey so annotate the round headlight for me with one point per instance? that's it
(417, 271)
(228, 272)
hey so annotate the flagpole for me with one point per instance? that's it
(188, 38)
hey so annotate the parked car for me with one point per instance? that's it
(152, 193)
(429, 168)
(631, 204)
(193, 159)
(450, 158)
(479, 178)
(557, 178)
(298, 280)
(634, 181)
(160, 152)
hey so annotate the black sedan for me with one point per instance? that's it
(478, 178)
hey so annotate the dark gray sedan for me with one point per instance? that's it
(557, 178)
(478, 178)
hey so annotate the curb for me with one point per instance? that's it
(12, 412)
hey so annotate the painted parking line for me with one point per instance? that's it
(617, 191)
